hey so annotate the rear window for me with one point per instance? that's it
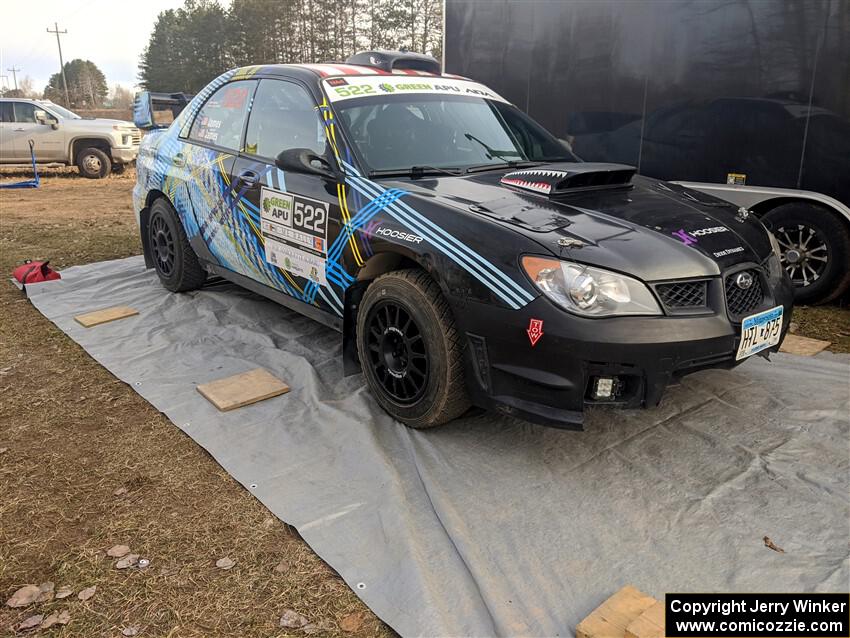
(221, 120)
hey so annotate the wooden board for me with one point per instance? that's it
(106, 315)
(611, 618)
(650, 624)
(243, 389)
(795, 344)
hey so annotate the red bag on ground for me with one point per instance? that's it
(31, 272)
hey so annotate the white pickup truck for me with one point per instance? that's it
(96, 146)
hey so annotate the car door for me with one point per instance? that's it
(48, 143)
(295, 217)
(7, 123)
(200, 164)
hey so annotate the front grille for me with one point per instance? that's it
(741, 301)
(683, 295)
(136, 136)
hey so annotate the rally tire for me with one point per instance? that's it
(390, 301)
(173, 258)
(825, 236)
(93, 163)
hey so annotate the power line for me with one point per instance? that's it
(61, 62)
(14, 76)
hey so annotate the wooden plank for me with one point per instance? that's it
(243, 389)
(611, 618)
(106, 315)
(795, 344)
(650, 624)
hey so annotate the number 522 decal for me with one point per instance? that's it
(295, 220)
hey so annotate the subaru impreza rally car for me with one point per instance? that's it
(464, 253)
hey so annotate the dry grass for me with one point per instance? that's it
(73, 434)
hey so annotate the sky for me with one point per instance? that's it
(110, 33)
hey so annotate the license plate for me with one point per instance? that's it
(760, 331)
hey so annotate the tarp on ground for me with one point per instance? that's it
(493, 526)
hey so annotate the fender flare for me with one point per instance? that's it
(763, 198)
(393, 258)
(100, 138)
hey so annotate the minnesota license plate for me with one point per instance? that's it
(760, 331)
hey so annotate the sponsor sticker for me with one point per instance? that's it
(299, 262)
(535, 331)
(690, 237)
(364, 86)
(294, 230)
(392, 233)
(729, 251)
(234, 97)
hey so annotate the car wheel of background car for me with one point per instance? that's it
(93, 163)
(410, 350)
(174, 260)
(815, 250)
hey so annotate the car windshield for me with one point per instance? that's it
(63, 112)
(444, 132)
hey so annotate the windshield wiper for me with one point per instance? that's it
(491, 152)
(478, 168)
(415, 172)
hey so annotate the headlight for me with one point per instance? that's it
(589, 291)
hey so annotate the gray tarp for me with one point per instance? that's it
(489, 525)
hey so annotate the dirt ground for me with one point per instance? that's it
(87, 464)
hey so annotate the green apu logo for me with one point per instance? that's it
(274, 204)
(386, 88)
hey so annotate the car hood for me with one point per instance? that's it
(98, 124)
(647, 228)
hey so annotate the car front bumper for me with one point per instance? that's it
(124, 155)
(551, 382)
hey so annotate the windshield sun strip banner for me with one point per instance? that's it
(370, 85)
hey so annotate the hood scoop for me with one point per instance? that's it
(559, 180)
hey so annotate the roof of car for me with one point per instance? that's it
(333, 69)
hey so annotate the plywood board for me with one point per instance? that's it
(650, 624)
(795, 344)
(106, 315)
(243, 389)
(611, 618)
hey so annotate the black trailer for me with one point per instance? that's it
(746, 100)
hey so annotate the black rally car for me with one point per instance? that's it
(465, 254)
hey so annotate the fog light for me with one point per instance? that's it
(605, 388)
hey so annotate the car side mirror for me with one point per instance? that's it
(42, 118)
(303, 160)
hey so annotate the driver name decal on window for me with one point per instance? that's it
(295, 231)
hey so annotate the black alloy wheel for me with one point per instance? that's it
(410, 349)
(397, 351)
(168, 248)
(162, 246)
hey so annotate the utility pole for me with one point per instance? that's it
(61, 61)
(14, 76)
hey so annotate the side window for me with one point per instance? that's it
(6, 113)
(283, 116)
(24, 112)
(221, 119)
